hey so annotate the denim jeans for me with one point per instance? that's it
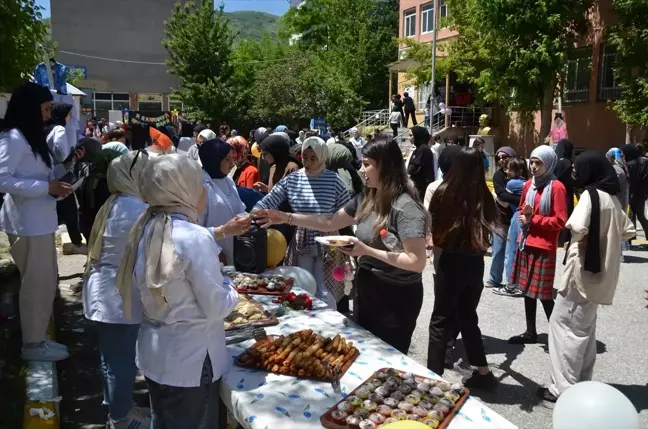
(511, 245)
(497, 256)
(117, 352)
(314, 264)
(186, 407)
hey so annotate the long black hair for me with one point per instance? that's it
(59, 115)
(24, 114)
(140, 137)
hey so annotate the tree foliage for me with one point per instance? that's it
(630, 38)
(515, 51)
(421, 53)
(198, 41)
(357, 36)
(21, 33)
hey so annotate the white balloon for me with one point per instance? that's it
(594, 405)
(303, 278)
(442, 106)
(448, 111)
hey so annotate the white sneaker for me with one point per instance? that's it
(43, 352)
(55, 345)
(71, 249)
(130, 423)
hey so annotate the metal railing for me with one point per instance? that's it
(371, 118)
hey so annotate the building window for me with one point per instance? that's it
(443, 9)
(577, 76)
(422, 95)
(104, 101)
(410, 23)
(608, 85)
(149, 102)
(427, 18)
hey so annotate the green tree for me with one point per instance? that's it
(21, 33)
(515, 51)
(199, 40)
(630, 38)
(359, 36)
(420, 72)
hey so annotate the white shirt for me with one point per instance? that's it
(437, 148)
(223, 204)
(174, 340)
(331, 141)
(394, 118)
(28, 209)
(57, 140)
(193, 154)
(358, 143)
(615, 227)
(101, 299)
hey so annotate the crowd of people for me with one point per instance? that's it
(159, 208)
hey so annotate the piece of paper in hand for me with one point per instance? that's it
(43, 413)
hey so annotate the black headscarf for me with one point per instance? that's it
(212, 153)
(24, 114)
(140, 136)
(594, 172)
(565, 149)
(447, 157)
(277, 145)
(171, 133)
(186, 129)
(59, 113)
(631, 152)
(92, 148)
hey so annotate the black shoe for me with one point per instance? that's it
(480, 381)
(490, 285)
(526, 338)
(546, 395)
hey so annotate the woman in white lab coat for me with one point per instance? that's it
(225, 213)
(102, 302)
(172, 262)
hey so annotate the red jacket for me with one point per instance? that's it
(544, 230)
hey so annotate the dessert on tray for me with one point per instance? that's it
(261, 284)
(303, 354)
(248, 312)
(391, 395)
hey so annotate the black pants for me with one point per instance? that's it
(394, 128)
(69, 215)
(411, 114)
(388, 311)
(637, 205)
(186, 407)
(457, 291)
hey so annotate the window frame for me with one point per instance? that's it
(606, 68)
(423, 90)
(576, 84)
(109, 97)
(426, 10)
(409, 20)
(443, 9)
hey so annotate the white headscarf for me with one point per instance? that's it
(170, 184)
(123, 178)
(321, 150)
(207, 135)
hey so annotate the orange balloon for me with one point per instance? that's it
(256, 151)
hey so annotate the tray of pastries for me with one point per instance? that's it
(301, 354)
(249, 312)
(390, 395)
(261, 284)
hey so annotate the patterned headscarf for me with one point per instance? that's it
(241, 149)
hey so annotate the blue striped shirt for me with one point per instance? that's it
(323, 195)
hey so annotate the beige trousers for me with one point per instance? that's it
(572, 340)
(36, 259)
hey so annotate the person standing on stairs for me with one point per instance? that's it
(410, 109)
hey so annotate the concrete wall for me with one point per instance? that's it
(122, 29)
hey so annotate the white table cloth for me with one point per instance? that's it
(261, 400)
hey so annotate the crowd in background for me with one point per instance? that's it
(158, 207)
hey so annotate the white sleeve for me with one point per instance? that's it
(214, 297)
(12, 149)
(61, 147)
(579, 221)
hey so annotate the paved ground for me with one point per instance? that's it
(622, 359)
(622, 347)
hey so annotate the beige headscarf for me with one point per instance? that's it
(123, 178)
(321, 150)
(170, 184)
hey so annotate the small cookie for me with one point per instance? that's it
(406, 406)
(345, 406)
(420, 411)
(369, 405)
(377, 418)
(339, 416)
(367, 424)
(413, 399)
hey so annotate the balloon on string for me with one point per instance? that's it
(594, 405)
(303, 278)
(276, 248)
(256, 152)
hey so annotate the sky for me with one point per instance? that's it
(275, 7)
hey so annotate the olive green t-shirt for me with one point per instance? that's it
(406, 221)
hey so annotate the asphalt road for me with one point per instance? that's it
(622, 336)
